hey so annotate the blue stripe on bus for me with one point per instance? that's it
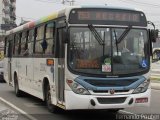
(88, 86)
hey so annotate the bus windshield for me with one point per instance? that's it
(117, 55)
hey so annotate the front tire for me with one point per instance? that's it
(16, 87)
(52, 108)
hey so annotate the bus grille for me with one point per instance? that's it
(111, 100)
(111, 83)
(106, 91)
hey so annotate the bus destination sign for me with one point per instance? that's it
(107, 16)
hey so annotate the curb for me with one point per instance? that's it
(155, 85)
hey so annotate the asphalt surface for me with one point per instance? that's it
(8, 113)
(38, 110)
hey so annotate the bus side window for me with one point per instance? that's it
(49, 37)
(30, 42)
(24, 45)
(14, 40)
(5, 46)
(17, 44)
(39, 39)
(8, 46)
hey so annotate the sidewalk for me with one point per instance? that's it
(155, 84)
(155, 75)
(7, 113)
(155, 81)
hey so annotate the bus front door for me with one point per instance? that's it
(61, 64)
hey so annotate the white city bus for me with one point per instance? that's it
(82, 57)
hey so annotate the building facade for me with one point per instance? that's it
(7, 20)
(7, 15)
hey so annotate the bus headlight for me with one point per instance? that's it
(142, 87)
(77, 88)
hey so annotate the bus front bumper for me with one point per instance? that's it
(75, 101)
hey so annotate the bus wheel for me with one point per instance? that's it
(52, 108)
(16, 87)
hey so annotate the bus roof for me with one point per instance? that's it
(57, 14)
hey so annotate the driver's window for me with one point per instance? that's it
(139, 42)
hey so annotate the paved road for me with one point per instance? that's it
(8, 113)
(37, 109)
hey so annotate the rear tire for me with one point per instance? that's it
(52, 108)
(16, 87)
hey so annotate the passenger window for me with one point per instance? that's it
(49, 37)
(14, 44)
(24, 46)
(30, 42)
(17, 44)
(39, 40)
(5, 46)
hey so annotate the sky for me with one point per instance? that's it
(34, 9)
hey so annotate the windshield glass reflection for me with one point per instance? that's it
(86, 55)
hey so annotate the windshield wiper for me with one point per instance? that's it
(124, 34)
(116, 40)
(96, 35)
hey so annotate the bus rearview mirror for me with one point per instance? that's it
(65, 36)
(153, 35)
